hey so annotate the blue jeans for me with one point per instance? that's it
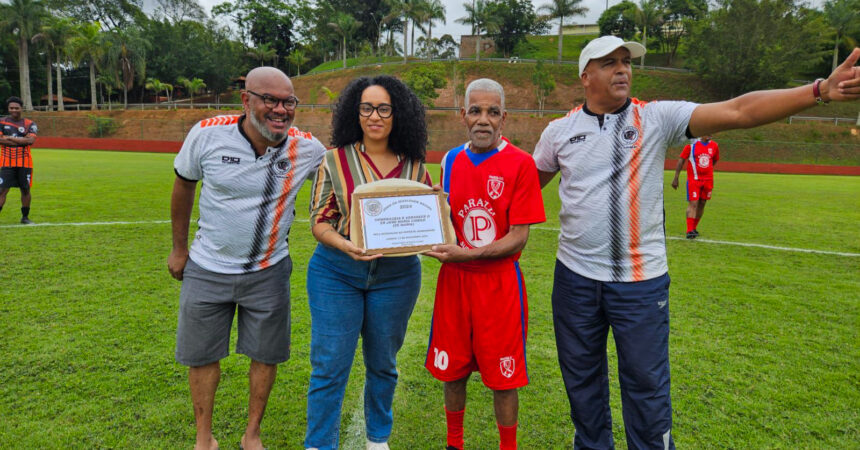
(638, 312)
(349, 298)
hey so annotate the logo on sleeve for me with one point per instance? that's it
(495, 186)
(230, 160)
(507, 366)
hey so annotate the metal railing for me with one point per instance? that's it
(835, 120)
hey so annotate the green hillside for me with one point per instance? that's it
(516, 78)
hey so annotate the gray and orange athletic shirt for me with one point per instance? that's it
(247, 202)
(611, 186)
(17, 156)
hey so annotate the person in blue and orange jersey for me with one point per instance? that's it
(702, 155)
(17, 134)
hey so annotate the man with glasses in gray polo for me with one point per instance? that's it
(252, 166)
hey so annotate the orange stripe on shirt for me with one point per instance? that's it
(634, 186)
(292, 153)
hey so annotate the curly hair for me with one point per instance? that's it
(408, 136)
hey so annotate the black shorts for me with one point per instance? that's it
(19, 177)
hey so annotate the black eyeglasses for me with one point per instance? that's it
(383, 109)
(271, 102)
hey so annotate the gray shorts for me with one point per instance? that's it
(208, 301)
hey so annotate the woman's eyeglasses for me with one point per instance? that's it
(384, 110)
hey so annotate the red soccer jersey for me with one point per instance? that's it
(701, 160)
(489, 192)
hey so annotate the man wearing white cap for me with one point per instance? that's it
(611, 269)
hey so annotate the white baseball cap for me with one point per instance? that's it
(604, 45)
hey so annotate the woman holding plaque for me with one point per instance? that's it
(379, 132)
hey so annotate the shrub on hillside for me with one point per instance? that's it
(424, 80)
(102, 126)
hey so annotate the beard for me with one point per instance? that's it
(264, 130)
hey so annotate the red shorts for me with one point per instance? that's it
(699, 189)
(480, 320)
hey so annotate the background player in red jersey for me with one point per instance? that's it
(480, 315)
(16, 164)
(702, 155)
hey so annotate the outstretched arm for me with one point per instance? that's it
(761, 107)
(512, 243)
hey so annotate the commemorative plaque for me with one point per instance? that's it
(399, 217)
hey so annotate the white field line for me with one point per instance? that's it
(708, 241)
(86, 224)
(743, 244)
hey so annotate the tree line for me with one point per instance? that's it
(106, 49)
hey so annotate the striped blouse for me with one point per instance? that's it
(341, 171)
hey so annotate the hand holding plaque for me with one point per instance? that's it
(398, 217)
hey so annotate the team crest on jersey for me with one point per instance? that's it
(479, 228)
(495, 186)
(282, 168)
(704, 161)
(21, 129)
(629, 134)
(507, 366)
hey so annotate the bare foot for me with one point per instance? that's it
(212, 444)
(251, 442)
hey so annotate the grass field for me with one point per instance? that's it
(765, 349)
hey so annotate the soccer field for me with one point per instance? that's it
(765, 340)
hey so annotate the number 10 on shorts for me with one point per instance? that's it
(440, 359)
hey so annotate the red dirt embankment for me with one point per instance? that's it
(163, 131)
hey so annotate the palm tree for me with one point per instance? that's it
(345, 25)
(559, 9)
(393, 23)
(434, 10)
(49, 41)
(264, 52)
(404, 10)
(416, 12)
(843, 16)
(193, 86)
(298, 58)
(647, 14)
(129, 53)
(109, 81)
(23, 19)
(481, 20)
(157, 86)
(55, 36)
(89, 45)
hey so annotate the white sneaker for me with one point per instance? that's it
(377, 445)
